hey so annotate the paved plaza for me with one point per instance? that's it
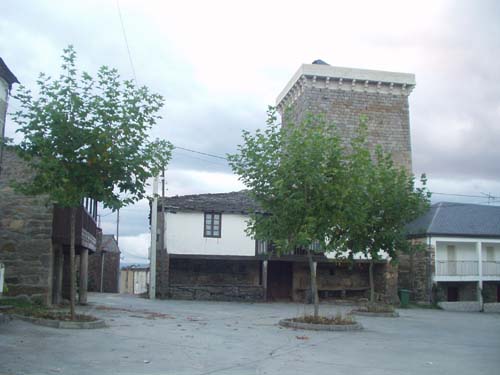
(194, 337)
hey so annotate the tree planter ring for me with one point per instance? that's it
(63, 324)
(393, 314)
(289, 323)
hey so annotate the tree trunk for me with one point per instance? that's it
(72, 271)
(314, 285)
(372, 284)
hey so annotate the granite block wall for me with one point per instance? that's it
(221, 280)
(415, 273)
(25, 234)
(387, 116)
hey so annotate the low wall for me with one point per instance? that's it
(217, 292)
(492, 307)
(464, 306)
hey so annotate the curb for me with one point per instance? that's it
(288, 323)
(375, 314)
(61, 323)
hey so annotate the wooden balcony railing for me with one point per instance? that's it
(267, 247)
(86, 226)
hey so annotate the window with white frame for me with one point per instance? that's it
(212, 224)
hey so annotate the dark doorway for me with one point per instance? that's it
(452, 294)
(279, 281)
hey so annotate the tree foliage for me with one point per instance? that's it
(295, 174)
(88, 137)
(317, 194)
(382, 200)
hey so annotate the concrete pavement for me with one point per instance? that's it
(193, 337)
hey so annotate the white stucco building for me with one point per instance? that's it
(463, 241)
(205, 252)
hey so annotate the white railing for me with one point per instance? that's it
(457, 268)
(491, 268)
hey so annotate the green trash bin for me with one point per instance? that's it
(404, 297)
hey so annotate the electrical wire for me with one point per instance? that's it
(126, 40)
(200, 152)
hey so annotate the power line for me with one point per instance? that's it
(201, 153)
(202, 159)
(465, 195)
(126, 40)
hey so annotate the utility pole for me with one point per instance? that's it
(163, 211)
(152, 259)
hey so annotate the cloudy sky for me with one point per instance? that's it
(220, 63)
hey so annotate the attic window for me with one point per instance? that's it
(212, 225)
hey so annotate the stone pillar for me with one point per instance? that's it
(58, 275)
(264, 278)
(84, 265)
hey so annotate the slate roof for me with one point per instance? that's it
(320, 62)
(457, 220)
(6, 74)
(234, 202)
(109, 244)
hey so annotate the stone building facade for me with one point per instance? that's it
(415, 271)
(459, 256)
(231, 266)
(344, 95)
(34, 233)
(104, 265)
(25, 234)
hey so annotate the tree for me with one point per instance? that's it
(86, 137)
(383, 199)
(295, 174)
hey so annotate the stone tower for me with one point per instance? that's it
(343, 95)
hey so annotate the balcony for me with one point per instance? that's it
(457, 268)
(86, 226)
(491, 268)
(465, 268)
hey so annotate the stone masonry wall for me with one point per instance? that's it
(332, 280)
(221, 280)
(490, 291)
(25, 234)
(387, 117)
(342, 281)
(111, 270)
(467, 291)
(415, 273)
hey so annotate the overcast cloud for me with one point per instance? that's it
(220, 63)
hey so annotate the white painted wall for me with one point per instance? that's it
(184, 235)
(464, 251)
(467, 250)
(4, 90)
(495, 253)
